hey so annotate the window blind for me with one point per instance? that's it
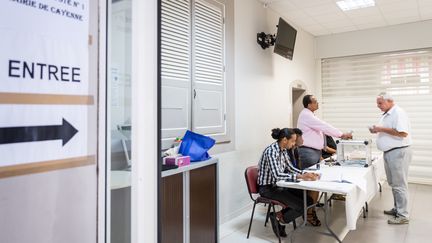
(175, 39)
(208, 42)
(350, 86)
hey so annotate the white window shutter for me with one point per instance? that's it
(208, 68)
(350, 86)
(175, 69)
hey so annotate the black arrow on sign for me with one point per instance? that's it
(35, 134)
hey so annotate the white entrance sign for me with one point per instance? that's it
(43, 80)
(44, 46)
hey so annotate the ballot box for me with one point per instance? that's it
(354, 152)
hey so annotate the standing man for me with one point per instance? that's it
(313, 133)
(394, 139)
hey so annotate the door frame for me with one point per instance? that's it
(145, 123)
(296, 85)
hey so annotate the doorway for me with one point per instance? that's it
(297, 94)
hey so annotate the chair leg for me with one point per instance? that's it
(267, 216)
(250, 223)
(277, 228)
(294, 224)
(319, 199)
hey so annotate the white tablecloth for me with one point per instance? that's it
(363, 188)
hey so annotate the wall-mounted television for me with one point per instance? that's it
(285, 39)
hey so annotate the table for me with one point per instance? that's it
(361, 190)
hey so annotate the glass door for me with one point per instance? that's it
(119, 122)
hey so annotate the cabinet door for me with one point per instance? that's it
(172, 209)
(203, 205)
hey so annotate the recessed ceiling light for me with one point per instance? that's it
(347, 5)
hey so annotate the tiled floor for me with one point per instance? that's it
(373, 229)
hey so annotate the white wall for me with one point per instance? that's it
(262, 98)
(392, 38)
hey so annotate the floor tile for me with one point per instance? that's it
(372, 229)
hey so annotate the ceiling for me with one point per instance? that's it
(324, 17)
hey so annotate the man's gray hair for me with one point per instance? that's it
(385, 96)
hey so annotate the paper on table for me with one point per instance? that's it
(359, 182)
(337, 176)
(333, 176)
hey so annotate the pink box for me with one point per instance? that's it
(180, 160)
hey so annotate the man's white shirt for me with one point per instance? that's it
(396, 118)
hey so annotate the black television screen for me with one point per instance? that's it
(285, 39)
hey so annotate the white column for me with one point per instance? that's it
(101, 41)
(144, 121)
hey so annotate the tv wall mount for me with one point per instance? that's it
(266, 40)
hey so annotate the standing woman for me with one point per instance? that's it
(275, 165)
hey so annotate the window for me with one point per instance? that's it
(193, 69)
(350, 86)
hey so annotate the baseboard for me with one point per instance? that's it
(414, 180)
(423, 181)
(236, 213)
(420, 174)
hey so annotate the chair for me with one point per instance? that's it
(251, 176)
(125, 131)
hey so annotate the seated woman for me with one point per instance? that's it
(329, 149)
(275, 165)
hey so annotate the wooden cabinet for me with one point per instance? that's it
(203, 204)
(172, 208)
(188, 204)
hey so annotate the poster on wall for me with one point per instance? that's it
(44, 84)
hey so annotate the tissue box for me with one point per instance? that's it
(179, 160)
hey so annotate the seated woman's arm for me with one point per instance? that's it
(330, 150)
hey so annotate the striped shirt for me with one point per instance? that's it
(275, 165)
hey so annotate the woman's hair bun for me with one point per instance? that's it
(275, 133)
(278, 133)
